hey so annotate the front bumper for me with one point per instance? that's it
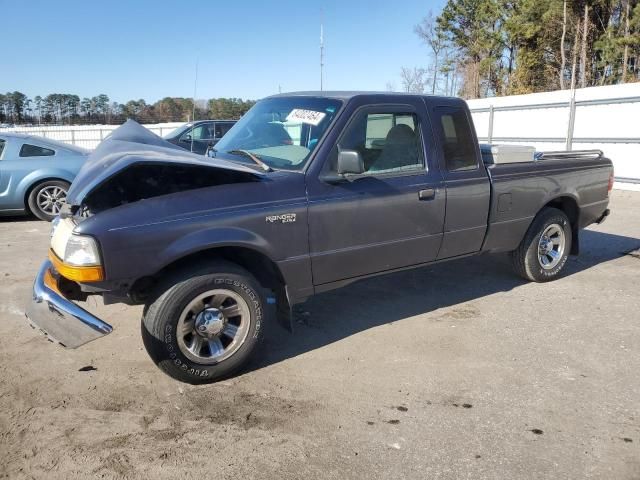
(59, 318)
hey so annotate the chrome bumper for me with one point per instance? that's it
(60, 319)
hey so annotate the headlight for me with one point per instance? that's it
(81, 251)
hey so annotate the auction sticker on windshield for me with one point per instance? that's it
(306, 116)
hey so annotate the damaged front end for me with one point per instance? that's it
(60, 319)
(140, 181)
(131, 165)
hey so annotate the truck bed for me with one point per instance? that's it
(518, 191)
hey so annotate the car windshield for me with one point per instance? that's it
(281, 131)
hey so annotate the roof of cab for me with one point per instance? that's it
(348, 94)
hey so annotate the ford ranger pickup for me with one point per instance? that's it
(308, 192)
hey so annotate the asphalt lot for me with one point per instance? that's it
(457, 371)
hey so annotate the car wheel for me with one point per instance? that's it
(206, 324)
(544, 250)
(46, 199)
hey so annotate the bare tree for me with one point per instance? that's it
(434, 38)
(390, 87)
(413, 79)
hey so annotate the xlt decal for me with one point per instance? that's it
(283, 218)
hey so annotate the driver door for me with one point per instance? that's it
(391, 215)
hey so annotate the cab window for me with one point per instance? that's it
(28, 150)
(457, 140)
(2, 142)
(387, 142)
(202, 132)
(222, 128)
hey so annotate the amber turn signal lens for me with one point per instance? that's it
(50, 281)
(77, 274)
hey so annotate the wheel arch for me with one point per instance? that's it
(260, 265)
(569, 205)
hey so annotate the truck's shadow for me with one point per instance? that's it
(18, 218)
(332, 316)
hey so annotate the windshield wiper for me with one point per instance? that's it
(253, 157)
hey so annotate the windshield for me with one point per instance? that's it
(281, 132)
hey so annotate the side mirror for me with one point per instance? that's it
(186, 138)
(350, 161)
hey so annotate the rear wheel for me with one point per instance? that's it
(544, 250)
(206, 325)
(46, 199)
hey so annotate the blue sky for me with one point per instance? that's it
(148, 48)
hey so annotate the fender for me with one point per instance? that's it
(211, 238)
(205, 240)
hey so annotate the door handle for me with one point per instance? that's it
(427, 194)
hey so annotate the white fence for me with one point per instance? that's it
(87, 136)
(604, 118)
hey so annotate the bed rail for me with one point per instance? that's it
(573, 154)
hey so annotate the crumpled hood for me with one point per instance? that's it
(132, 144)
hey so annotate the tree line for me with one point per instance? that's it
(69, 109)
(480, 48)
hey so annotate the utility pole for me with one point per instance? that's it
(321, 52)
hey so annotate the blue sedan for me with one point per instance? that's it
(35, 174)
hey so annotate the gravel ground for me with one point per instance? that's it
(456, 371)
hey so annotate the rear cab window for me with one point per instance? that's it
(28, 150)
(457, 139)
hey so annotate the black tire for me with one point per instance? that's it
(526, 258)
(47, 213)
(162, 314)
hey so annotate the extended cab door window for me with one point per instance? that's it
(458, 143)
(387, 142)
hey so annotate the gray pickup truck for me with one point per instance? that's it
(306, 193)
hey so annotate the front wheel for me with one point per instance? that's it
(544, 250)
(205, 326)
(46, 199)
